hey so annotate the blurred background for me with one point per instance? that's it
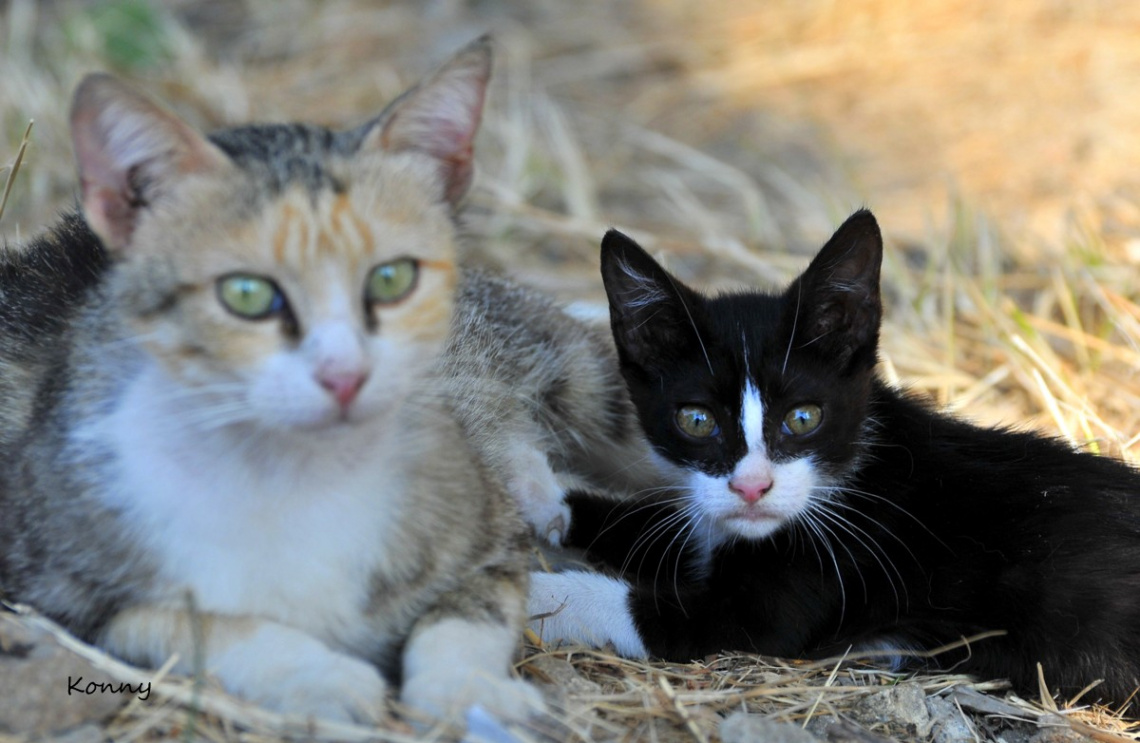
(996, 142)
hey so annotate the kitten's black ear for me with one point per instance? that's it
(440, 117)
(652, 314)
(837, 297)
(130, 152)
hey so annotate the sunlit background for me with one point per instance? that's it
(997, 142)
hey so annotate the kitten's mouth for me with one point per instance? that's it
(753, 514)
(752, 522)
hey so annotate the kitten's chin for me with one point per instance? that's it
(324, 421)
(752, 523)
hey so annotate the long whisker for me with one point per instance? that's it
(888, 502)
(693, 323)
(810, 521)
(873, 548)
(795, 321)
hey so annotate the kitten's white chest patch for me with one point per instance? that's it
(245, 539)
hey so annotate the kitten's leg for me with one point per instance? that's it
(460, 652)
(675, 622)
(274, 665)
(538, 491)
(586, 608)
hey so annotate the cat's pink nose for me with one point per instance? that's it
(344, 385)
(750, 489)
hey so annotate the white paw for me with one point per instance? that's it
(293, 673)
(549, 519)
(539, 495)
(454, 663)
(443, 694)
(581, 607)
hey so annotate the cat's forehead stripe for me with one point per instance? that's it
(291, 234)
(330, 227)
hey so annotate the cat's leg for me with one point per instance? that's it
(675, 621)
(581, 607)
(274, 665)
(460, 652)
(537, 489)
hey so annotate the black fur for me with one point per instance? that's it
(941, 529)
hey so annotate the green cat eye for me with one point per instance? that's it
(803, 419)
(697, 421)
(251, 297)
(392, 281)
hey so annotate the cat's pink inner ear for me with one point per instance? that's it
(129, 151)
(440, 117)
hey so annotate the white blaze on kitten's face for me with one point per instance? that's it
(759, 497)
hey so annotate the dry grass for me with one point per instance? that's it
(731, 141)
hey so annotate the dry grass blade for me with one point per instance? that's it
(212, 702)
(14, 168)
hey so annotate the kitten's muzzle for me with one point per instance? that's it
(343, 385)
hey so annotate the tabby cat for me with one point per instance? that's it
(223, 426)
(824, 510)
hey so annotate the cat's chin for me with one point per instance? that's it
(326, 422)
(752, 523)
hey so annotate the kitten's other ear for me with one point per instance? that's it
(651, 312)
(837, 297)
(440, 117)
(130, 152)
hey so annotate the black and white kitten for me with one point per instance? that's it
(825, 510)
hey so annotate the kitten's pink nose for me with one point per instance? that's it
(750, 488)
(344, 385)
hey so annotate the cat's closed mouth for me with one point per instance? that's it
(754, 513)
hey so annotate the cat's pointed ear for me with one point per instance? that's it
(130, 152)
(837, 298)
(651, 312)
(440, 117)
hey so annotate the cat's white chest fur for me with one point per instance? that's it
(287, 535)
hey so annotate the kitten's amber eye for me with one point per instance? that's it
(697, 421)
(803, 419)
(251, 297)
(391, 282)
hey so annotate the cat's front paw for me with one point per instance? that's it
(541, 501)
(576, 606)
(290, 672)
(442, 694)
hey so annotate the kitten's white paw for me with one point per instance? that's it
(549, 520)
(442, 694)
(290, 672)
(454, 663)
(540, 497)
(581, 607)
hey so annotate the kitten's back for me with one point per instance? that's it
(42, 285)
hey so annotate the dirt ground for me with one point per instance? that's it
(995, 141)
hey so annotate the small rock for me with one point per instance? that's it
(83, 734)
(902, 708)
(820, 724)
(1059, 735)
(845, 731)
(35, 676)
(948, 724)
(741, 727)
(563, 675)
